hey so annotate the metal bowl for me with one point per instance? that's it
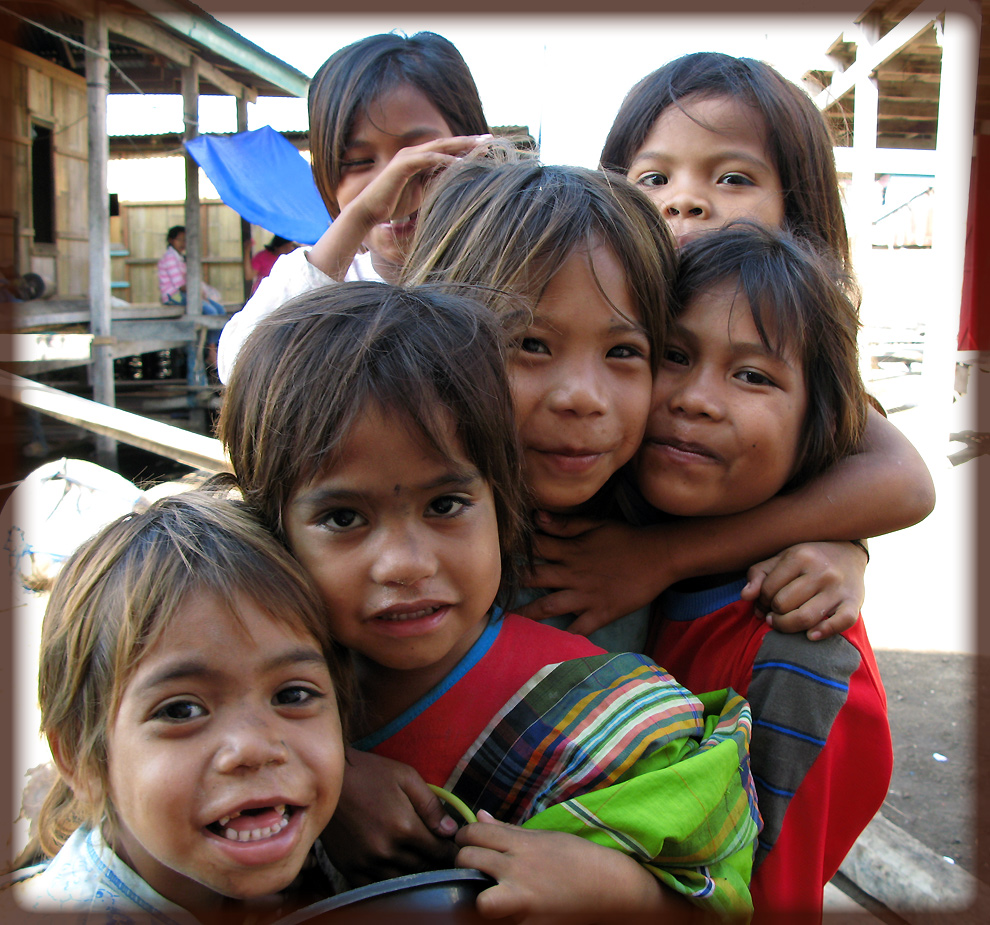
(444, 896)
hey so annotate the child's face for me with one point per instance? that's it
(727, 414)
(580, 378)
(399, 118)
(706, 165)
(224, 733)
(404, 546)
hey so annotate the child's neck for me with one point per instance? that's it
(385, 693)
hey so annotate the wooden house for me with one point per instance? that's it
(58, 61)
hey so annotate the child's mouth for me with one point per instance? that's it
(253, 824)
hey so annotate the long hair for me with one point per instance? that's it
(306, 373)
(354, 77)
(504, 222)
(798, 139)
(118, 594)
(800, 300)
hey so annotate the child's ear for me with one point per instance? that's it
(84, 782)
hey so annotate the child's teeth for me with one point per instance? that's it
(257, 834)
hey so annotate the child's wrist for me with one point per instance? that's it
(862, 545)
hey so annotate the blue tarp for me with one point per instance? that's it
(263, 178)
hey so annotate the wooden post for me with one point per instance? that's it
(242, 126)
(194, 248)
(866, 117)
(97, 38)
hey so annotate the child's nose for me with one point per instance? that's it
(250, 742)
(684, 201)
(698, 395)
(579, 390)
(403, 556)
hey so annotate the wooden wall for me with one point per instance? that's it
(138, 239)
(34, 91)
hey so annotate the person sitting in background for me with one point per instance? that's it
(172, 285)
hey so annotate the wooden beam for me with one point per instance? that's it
(183, 446)
(97, 38)
(869, 59)
(156, 40)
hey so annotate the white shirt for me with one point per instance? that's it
(292, 275)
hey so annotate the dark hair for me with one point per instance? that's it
(276, 242)
(354, 77)
(309, 370)
(174, 232)
(798, 138)
(800, 299)
(118, 594)
(511, 224)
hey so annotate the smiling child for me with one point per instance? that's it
(188, 691)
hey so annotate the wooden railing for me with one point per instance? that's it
(186, 447)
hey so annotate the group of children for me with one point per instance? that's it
(487, 363)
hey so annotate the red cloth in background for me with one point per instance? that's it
(974, 316)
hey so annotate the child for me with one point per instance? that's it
(372, 428)
(711, 138)
(189, 689)
(759, 391)
(385, 113)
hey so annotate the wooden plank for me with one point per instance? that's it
(190, 449)
(155, 39)
(870, 58)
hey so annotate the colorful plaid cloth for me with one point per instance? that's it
(612, 749)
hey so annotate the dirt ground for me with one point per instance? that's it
(931, 701)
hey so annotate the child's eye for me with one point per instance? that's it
(652, 179)
(342, 519)
(178, 711)
(673, 355)
(296, 695)
(736, 179)
(625, 352)
(449, 506)
(532, 345)
(355, 163)
(752, 377)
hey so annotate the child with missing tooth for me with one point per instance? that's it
(372, 428)
(759, 391)
(385, 114)
(189, 689)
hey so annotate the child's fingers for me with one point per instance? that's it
(755, 577)
(844, 618)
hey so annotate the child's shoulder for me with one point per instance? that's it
(87, 879)
(543, 642)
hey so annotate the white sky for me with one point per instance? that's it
(563, 76)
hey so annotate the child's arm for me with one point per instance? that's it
(382, 200)
(327, 261)
(542, 873)
(387, 822)
(614, 569)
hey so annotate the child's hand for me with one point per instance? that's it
(387, 823)
(545, 874)
(817, 587)
(397, 190)
(595, 568)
